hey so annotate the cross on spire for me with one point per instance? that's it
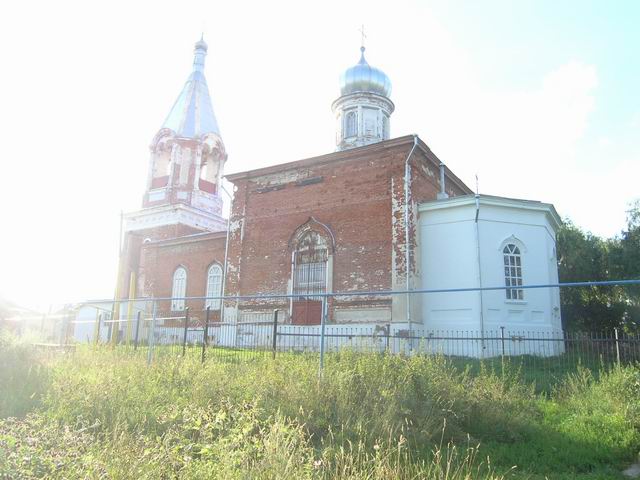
(362, 36)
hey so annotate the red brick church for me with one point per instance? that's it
(342, 222)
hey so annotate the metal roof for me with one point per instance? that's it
(362, 77)
(192, 113)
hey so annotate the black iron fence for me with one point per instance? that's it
(524, 336)
(542, 356)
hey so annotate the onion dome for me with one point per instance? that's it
(362, 77)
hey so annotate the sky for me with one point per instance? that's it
(539, 99)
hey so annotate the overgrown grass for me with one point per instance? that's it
(369, 416)
(24, 377)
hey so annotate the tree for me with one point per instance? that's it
(585, 257)
(624, 259)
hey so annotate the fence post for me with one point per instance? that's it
(323, 322)
(388, 331)
(275, 332)
(98, 328)
(152, 332)
(186, 326)
(205, 334)
(135, 340)
(615, 330)
(502, 357)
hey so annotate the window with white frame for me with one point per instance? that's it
(179, 290)
(351, 126)
(513, 272)
(214, 286)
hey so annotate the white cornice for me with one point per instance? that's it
(490, 200)
(172, 215)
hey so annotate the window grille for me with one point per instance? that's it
(310, 270)
(513, 272)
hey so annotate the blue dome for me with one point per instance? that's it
(364, 78)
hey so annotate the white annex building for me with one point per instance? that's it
(510, 242)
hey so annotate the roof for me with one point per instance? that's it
(346, 155)
(464, 200)
(362, 77)
(192, 113)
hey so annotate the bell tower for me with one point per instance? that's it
(186, 162)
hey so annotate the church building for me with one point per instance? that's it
(378, 214)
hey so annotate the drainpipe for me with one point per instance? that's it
(442, 194)
(407, 252)
(226, 251)
(479, 273)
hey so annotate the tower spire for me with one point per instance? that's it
(199, 54)
(192, 113)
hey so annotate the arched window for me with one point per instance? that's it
(179, 290)
(214, 286)
(310, 260)
(351, 125)
(513, 272)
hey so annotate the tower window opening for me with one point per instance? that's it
(351, 125)
(161, 169)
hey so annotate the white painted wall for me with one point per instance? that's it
(448, 244)
(86, 320)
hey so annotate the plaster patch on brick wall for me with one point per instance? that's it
(231, 268)
(398, 247)
(427, 171)
(281, 178)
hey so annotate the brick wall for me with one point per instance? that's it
(358, 194)
(159, 260)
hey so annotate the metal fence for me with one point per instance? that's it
(250, 327)
(540, 357)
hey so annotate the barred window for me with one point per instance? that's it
(351, 127)
(179, 289)
(310, 272)
(513, 272)
(214, 286)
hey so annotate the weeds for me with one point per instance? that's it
(24, 377)
(99, 414)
